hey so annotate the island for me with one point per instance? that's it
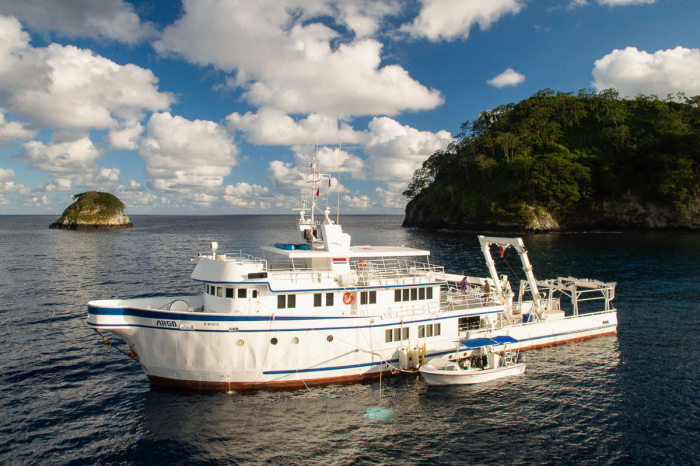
(563, 162)
(93, 210)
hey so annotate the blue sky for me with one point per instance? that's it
(217, 107)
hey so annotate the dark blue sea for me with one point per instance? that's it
(67, 399)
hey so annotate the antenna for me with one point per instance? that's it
(340, 149)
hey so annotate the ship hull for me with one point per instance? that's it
(239, 352)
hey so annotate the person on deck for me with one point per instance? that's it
(463, 285)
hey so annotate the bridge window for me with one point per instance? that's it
(219, 291)
(421, 293)
(329, 299)
(397, 296)
(368, 296)
(242, 293)
(229, 292)
(318, 298)
(286, 301)
(430, 293)
(414, 294)
(406, 294)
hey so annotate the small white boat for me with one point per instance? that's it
(483, 365)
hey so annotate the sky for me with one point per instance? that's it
(219, 106)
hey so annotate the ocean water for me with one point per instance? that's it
(65, 398)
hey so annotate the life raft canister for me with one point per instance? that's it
(348, 298)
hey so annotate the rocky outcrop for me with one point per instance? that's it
(93, 210)
(629, 213)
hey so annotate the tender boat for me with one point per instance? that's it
(483, 365)
(325, 311)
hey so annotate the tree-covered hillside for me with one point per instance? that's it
(574, 157)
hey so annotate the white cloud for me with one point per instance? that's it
(67, 87)
(62, 158)
(632, 71)
(64, 185)
(357, 202)
(12, 130)
(624, 2)
(285, 59)
(110, 19)
(391, 198)
(183, 155)
(396, 151)
(270, 126)
(126, 138)
(452, 19)
(8, 184)
(246, 195)
(509, 77)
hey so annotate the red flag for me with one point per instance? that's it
(329, 182)
(318, 191)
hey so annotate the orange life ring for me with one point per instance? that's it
(348, 298)
(362, 265)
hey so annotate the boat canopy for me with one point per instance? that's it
(493, 341)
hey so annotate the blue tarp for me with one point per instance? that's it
(493, 341)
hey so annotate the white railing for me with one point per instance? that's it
(395, 271)
(451, 299)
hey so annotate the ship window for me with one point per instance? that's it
(212, 290)
(421, 293)
(405, 333)
(318, 298)
(363, 297)
(421, 331)
(219, 291)
(281, 301)
(436, 329)
(329, 299)
(206, 288)
(414, 294)
(468, 323)
(288, 301)
(430, 292)
(273, 341)
(329, 338)
(406, 294)
(397, 334)
(291, 301)
(429, 331)
(388, 333)
(295, 340)
(242, 293)
(229, 292)
(373, 297)
(255, 293)
(397, 296)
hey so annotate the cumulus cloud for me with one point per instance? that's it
(12, 130)
(509, 77)
(452, 19)
(64, 185)
(633, 71)
(391, 198)
(183, 155)
(8, 184)
(395, 151)
(108, 19)
(270, 126)
(68, 87)
(357, 202)
(126, 138)
(285, 58)
(246, 195)
(624, 2)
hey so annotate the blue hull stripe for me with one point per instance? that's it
(335, 368)
(166, 315)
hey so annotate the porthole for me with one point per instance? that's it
(295, 340)
(240, 342)
(329, 338)
(273, 341)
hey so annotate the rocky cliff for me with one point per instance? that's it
(93, 210)
(629, 213)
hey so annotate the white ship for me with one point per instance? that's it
(319, 310)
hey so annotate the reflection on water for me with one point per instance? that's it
(630, 398)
